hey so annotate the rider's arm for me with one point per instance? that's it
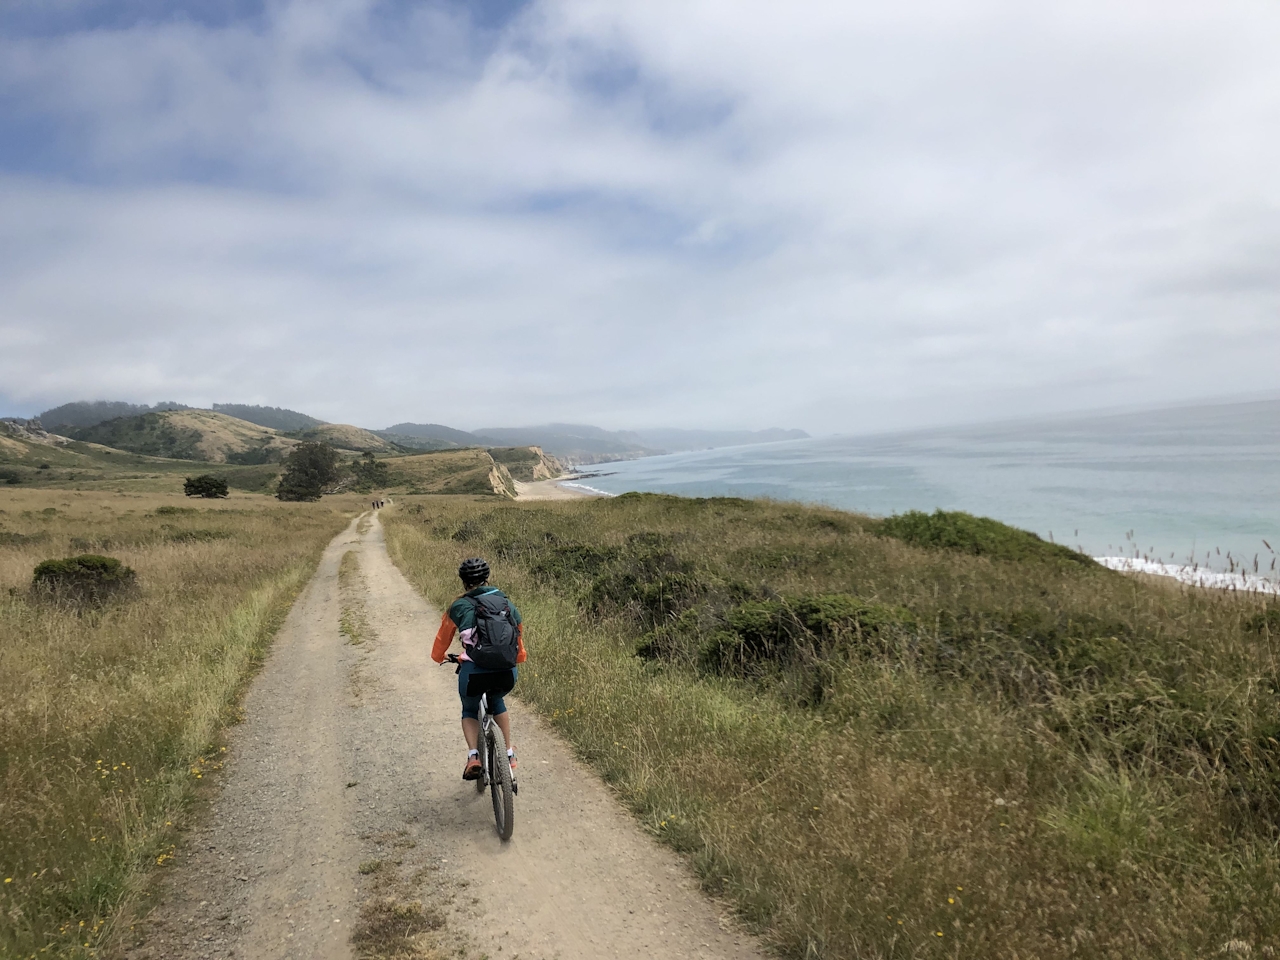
(444, 637)
(519, 622)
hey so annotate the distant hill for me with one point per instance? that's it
(435, 432)
(277, 418)
(570, 442)
(85, 413)
(189, 435)
(267, 433)
(346, 437)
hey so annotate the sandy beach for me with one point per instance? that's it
(551, 490)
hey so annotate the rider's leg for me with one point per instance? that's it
(503, 720)
(470, 721)
(471, 731)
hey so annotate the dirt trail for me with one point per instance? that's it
(343, 789)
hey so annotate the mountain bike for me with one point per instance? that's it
(495, 767)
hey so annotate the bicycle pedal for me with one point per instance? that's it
(515, 787)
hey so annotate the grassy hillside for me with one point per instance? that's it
(928, 736)
(436, 433)
(109, 716)
(189, 435)
(448, 471)
(346, 437)
(90, 466)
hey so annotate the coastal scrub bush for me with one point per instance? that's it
(646, 580)
(197, 536)
(369, 472)
(88, 578)
(255, 455)
(9, 538)
(980, 536)
(1268, 621)
(206, 485)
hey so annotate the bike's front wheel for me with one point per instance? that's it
(500, 784)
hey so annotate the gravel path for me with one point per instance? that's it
(342, 827)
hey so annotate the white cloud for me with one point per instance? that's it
(694, 213)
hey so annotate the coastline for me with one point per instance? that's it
(1193, 576)
(559, 488)
(570, 488)
(585, 489)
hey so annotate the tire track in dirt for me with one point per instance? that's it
(342, 806)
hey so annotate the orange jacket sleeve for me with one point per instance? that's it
(444, 637)
(521, 655)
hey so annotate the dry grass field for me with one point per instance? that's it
(109, 715)
(445, 471)
(933, 737)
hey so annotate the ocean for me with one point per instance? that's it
(1195, 486)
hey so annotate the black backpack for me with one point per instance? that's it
(495, 645)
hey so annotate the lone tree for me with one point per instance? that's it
(206, 485)
(308, 469)
(370, 472)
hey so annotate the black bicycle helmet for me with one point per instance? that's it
(473, 571)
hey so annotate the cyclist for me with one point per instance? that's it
(473, 681)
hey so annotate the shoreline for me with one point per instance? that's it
(569, 488)
(1193, 576)
(558, 488)
(586, 489)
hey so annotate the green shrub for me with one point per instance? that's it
(88, 578)
(197, 536)
(254, 456)
(783, 632)
(168, 511)
(980, 536)
(1268, 621)
(370, 472)
(11, 539)
(469, 530)
(206, 485)
(646, 580)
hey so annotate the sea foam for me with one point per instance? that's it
(1196, 576)
(583, 486)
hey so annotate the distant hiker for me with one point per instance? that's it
(488, 626)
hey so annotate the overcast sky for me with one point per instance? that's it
(838, 216)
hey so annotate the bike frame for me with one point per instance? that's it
(502, 789)
(486, 724)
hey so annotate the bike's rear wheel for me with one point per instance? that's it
(504, 814)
